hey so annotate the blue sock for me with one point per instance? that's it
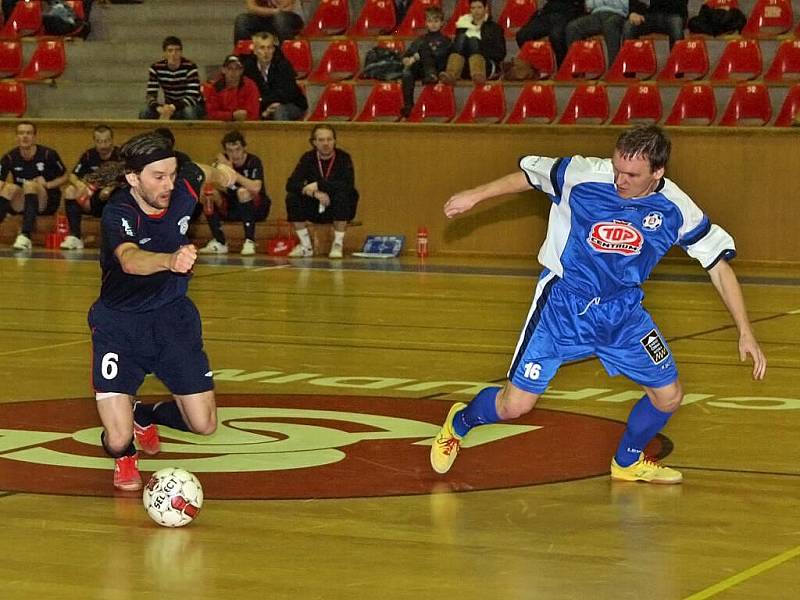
(644, 422)
(480, 411)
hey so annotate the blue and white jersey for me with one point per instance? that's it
(601, 244)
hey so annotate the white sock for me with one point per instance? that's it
(338, 237)
(305, 238)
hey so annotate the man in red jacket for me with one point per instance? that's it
(232, 97)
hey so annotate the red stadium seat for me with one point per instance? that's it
(769, 18)
(785, 66)
(48, 60)
(383, 103)
(243, 47)
(515, 14)
(636, 60)
(413, 23)
(298, 53)
(10, 57)
(332, 17)
(377, 17)
(695, 105)
(485, 104)
(724, 4)
(25, 19)
(790, 110)
(435, 103)
(337, 103)
(13, 98)
(688, 60)
(536, 104)
(640, 104)
(340, 61)
(461, 8)
(539, 55)
(741, 59)
(585, 60)
(749, 106)
(588, 104)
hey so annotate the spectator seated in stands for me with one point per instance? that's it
(177, 77)
(656, 16)
(38, 174)
(425, 57)
(83, 195)
(605, 17)
(321, 189)
(232, 97)
(479, 42)
(244, 200)
(551, 22)
(284, 18)
(281, 97)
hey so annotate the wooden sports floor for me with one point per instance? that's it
(333, 378)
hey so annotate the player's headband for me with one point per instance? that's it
(137, 163)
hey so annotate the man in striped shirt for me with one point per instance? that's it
(179, 81)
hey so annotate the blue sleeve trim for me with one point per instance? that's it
(726, 255)
(697, 233)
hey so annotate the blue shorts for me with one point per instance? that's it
(563, 326)
(167, 342)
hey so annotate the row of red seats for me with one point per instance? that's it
(26, 18)
(48, 61)
(767, 18)
(741, 60)
(695, 104)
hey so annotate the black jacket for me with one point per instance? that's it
(341, 178)
(280, 84)
(493, 41)
(667, 7)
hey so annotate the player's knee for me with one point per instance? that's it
(30, 187)
(242, 195)
(668, 399)
(70, 192)
(206, 425)
(117, 442)
(513, 405)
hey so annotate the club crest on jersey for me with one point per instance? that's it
(183, 225)
(653, 221)
(619, 237)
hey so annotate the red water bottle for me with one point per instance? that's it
(62, 226)
(422, 242)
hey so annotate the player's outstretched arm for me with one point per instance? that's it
(724, 280)
(463, 201)
(136, 261)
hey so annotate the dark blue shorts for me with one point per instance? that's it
(563, 326)
(167, 342)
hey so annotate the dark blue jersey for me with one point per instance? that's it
(91, 160)
(124, 222)
(45, 163)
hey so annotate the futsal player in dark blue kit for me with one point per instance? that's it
(143, 321)
(611, 222)
(38, 174)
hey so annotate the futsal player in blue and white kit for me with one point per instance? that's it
(143, 321)
(610, 223)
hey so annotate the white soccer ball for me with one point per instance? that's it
(173, 497)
